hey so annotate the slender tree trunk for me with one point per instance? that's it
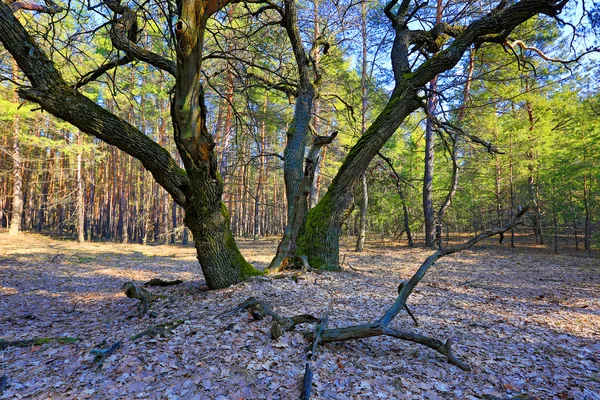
(17, 192)
(587, 236)
(531, 179)
(313, 197)
(80, 196)
(364, 199)
(261, 174)
(428, 171)
(512, 193)
(428, 212)
(454, 150)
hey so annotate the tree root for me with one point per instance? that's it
(36, 342)
(162, 283)
(161, 330)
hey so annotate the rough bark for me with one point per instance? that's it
(80, 198)
(287, 248)
(17, 188)
(298, 132)
(320, 240)
(428, 213)
(364, 202)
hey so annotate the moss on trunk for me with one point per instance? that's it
(320, 239)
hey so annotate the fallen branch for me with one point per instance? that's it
(306, 383)
(37, 342)
(308, 374)
(260, 310)
(161, 330)
(101, 354)
(134, 292)
(162, 283)
(3, 384)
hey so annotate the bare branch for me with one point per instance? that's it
(50, 7)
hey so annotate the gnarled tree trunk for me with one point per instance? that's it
(197, 189)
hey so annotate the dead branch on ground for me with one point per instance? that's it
(162, 283)
(161, 330)
(135, 292)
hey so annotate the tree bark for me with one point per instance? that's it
(287, 248)
(17, 192)
(364, 200)
(80, 197)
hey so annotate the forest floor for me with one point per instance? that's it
(525, 320)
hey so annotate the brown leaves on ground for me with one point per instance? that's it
(528, 323)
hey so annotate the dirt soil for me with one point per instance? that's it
(526, 321)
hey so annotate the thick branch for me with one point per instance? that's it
(50, 8)
(53, 94)
(123, 35)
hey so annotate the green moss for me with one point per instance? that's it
(37, 342)
(225, 212)
(313, 242)
(246, 269)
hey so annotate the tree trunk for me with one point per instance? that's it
(261, 175)
(428, 171)
(199, 188)
(287, 248)
(205, 213)
(80, 197)
(512, 192)
(428, 213)
(531, 179)
(587, 236)
(17, 200)
(364, 201)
